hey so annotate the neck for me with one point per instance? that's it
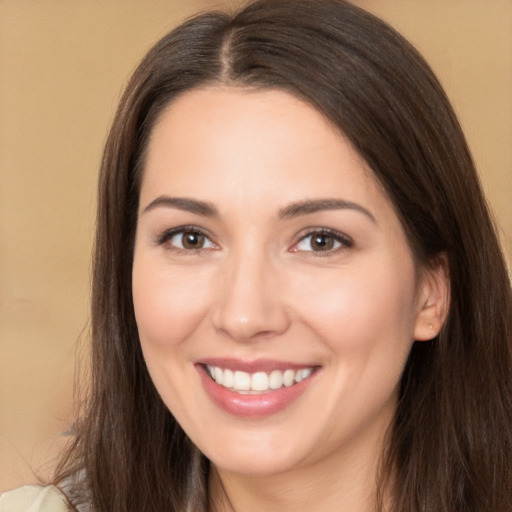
(346, 481)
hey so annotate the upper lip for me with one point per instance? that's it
(258, 365)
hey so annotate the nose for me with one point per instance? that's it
(249, 303)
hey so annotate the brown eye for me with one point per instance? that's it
(191, 240)
(188, 240)
(322, 241)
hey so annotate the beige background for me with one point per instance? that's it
(62, 67)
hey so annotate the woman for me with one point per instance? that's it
(299, 300)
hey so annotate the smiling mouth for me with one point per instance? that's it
(258, 382)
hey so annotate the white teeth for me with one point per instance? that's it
(227, 380)
(241, 381)
(303, 374)
(258, 382)
(306, 373)
(275, 379)
(288, 378)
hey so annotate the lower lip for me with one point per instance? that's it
(252, 406)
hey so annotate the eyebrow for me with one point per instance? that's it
(181, 203)
(318, 205)
(292, 210)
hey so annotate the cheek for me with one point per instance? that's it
(168, 304)
(168, 308)
(357, 309)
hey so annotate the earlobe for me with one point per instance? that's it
(433, 299)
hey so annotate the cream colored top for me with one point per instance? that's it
(32, 498)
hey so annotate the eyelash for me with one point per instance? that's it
(167, 235)
(344, 241)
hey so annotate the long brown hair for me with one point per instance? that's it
(450, 447)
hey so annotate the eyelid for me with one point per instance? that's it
(345, 241)
(167, 234)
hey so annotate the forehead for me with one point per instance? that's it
(229, 135)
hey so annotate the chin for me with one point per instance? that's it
(261, 456)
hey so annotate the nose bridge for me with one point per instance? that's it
(249, 301)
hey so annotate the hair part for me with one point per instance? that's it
(450, 447)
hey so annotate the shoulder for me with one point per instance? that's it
(32, 498)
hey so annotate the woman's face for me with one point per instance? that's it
(267, 256)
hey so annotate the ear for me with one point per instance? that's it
(433, 299)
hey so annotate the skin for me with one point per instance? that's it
(257, 289)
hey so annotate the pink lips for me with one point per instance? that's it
(251, 405)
